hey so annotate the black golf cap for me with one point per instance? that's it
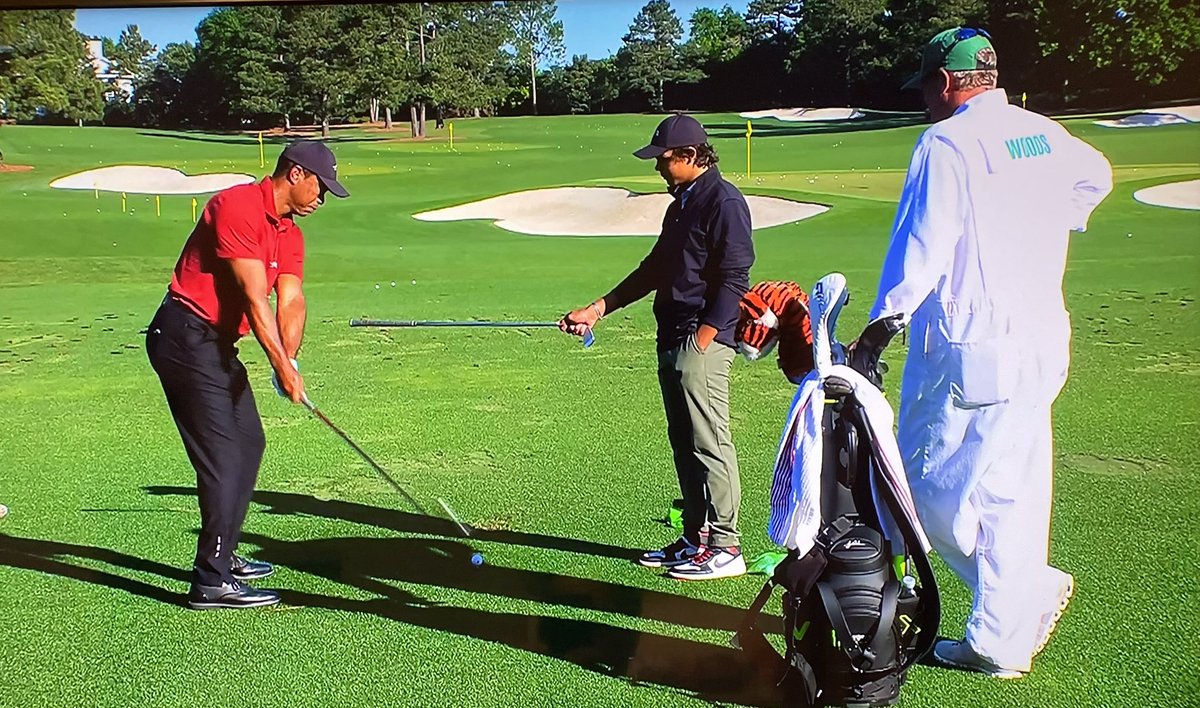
(318, 159)
(674, 132)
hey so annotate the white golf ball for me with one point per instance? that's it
(376, 286)
(414, 282)
(393, 283)
(3, 511)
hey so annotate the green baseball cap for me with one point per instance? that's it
(956, 49)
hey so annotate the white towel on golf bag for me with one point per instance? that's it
(796, 487)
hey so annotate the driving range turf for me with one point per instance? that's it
(557, 455)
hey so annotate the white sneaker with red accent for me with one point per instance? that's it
(711, 563)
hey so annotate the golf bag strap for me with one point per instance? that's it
(931, 602)
(760, 600)
(748, 622)
(887, 610)
(808, 677)
(931, 605)
(852, 455)
(831, 532)
(859, 653)
(887, 615)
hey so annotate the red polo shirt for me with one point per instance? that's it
(239, 222)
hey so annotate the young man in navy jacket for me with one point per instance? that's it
(698, 269)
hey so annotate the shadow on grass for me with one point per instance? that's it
(708, 671)
(289, 503)
(47, 557)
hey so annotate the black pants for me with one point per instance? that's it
(210, 399)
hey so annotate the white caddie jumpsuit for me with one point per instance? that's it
(976, 264)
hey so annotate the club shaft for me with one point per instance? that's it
(366, 458)
(454, 517)
(447, 323)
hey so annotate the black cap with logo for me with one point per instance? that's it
(675, 132)
(318, 159)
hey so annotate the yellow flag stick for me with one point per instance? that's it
(749, 132)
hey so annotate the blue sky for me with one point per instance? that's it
(592, 27)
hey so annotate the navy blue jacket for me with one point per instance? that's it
(700, 266)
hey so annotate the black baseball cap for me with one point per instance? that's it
(318, 159)
(674, 132)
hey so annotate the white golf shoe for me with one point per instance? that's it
(961, 655)
(1051, 618)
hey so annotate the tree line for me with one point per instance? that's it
(266, 66)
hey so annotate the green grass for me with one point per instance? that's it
(558, 453)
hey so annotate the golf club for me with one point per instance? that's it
(375, 465)
(361, 453)
(588, 338)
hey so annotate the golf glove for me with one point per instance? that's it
(275, 379)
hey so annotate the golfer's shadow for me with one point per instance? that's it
(303, 505)
(710, 671)
(362, 562)
(51, 557)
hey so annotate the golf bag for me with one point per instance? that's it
(860, 602)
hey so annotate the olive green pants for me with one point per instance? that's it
(695, 390)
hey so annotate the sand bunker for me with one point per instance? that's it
(140, 179)
(600, 211)
(1156, 116)
(1177, 195)
(798, 115)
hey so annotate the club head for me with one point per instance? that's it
(829, 296)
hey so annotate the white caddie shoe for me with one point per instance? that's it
(1051, 618)
(960, 655)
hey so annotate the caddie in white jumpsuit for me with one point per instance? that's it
(976, 263)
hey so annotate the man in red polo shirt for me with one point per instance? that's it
(245, 246)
